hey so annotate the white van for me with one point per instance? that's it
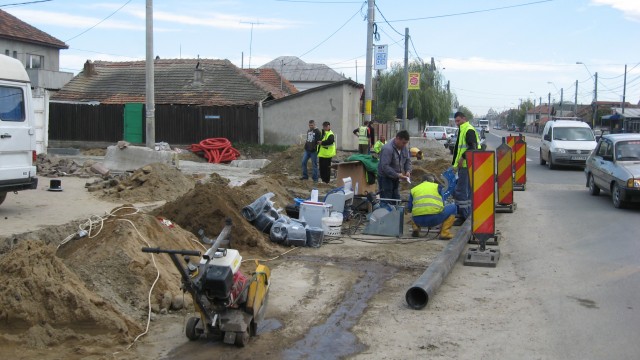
(566, 142)
(17, 132)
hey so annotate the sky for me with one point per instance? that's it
(494, 53)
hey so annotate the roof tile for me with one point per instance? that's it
(15, 29)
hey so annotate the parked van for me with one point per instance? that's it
(566, 142)
(17, 132)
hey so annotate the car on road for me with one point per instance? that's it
(614, 167)
(566, 142)
(438, 133)
(451, 141)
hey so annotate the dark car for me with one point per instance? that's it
(614, 166)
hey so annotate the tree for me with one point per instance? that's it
(432, 103)
(467, 113)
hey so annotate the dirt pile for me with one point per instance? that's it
(53, 166)
(45, 303)
(208, 205)
(150, 183)
(288, 162)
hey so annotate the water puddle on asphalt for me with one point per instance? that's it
(334, 339)
(268, 325)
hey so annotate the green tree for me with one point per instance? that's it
(430, 104)
(467, 113)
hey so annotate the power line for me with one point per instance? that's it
(100, 22)
(474, 12)
(25, 3)
(385, 20)
(320, 2)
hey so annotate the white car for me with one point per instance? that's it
(438, 133)
(566, 142)
(17, 132)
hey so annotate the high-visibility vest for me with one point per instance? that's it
(378, 146)
(426, 199)
(462, 143)
(363, 139)
(327, 151)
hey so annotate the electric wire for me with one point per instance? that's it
(24, 3)
(101, 21)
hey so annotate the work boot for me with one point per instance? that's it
(458, 221)
(416, 229)
(445, 233)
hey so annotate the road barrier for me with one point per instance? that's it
(504, 156)
(483, 180)
(520, 161)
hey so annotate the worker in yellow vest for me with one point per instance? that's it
(467, 140)
(362, 133)
(378, 145)
(428, 210)
(326, 151)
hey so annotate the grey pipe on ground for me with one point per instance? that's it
(423, 289)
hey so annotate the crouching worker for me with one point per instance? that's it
(428, 210)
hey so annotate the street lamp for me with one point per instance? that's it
(554, 85)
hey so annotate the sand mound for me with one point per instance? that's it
(153, 182)
(44, 303)
(289, 162)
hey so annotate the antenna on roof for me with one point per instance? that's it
(251, 36)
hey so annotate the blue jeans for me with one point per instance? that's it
(389, 188)
(314, 163)
(435, 219)
(462, 193)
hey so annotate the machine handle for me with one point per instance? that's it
(167, 251)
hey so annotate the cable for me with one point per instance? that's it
(385, 20)
(273, 258)
(101, 21)
(25, 3)
(474, 12)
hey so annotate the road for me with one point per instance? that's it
(578, 257)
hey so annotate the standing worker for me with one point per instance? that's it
(311, 152)
(394, 165)
(378, 145)
(372, 136)
(327, 150)
(362, 133)
(467, 139)
(428, 209)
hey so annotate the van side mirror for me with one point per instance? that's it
(547, 137)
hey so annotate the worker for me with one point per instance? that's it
(467, 139)
(362, 133)
(427, 208)
(416, 153)
(394, 166)
(326, 151)
(378, 145)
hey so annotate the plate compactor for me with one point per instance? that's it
(230, 304)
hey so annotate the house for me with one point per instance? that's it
(619, 121)
(285, 120)
(303, 75)
(280, 86)
(195, 99)
(37, 50)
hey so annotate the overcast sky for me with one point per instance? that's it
(494, 52)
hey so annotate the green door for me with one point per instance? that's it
(133, 123)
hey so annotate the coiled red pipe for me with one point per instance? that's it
(216, 150)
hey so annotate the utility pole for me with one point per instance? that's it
(369, 63)
(624, 89)
(561, 101)
(595, 101)
(405, 89)
(549, 107)
(150, 119)
(575, 105)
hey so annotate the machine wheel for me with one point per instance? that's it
(542, 161)
(190, 328)
(3, 195)
(550, 162)
(593, 188)
(616, 197)
(242, 338)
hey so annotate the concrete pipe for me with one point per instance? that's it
(423, 289)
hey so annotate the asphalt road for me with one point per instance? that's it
(578, 257)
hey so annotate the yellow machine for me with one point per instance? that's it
(230, 304)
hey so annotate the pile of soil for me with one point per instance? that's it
(90, 294)
(288, 162)
(152, 182)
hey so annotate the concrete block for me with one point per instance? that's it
(63, 151)
(250, 164)
(486, 258)
(132, 158)
(99, 168)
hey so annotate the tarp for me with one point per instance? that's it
(370, 163)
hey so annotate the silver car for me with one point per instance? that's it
(614, 166)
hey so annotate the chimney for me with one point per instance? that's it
(89, 68)
(197, 75)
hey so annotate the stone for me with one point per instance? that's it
(177, 303)
(98, 168)
(147, 169)
(94, 188)
(165, 303)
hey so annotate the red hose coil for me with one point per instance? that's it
(216, 150)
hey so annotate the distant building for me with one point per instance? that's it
(303, 75)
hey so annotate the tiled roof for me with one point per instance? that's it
(273, 78)
(294, 69)
(222, 84)
(15, 29)
(316, 89)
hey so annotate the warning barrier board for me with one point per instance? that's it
(482, 169)
(520, 161)
(505, 178)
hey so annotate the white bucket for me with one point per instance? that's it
(332, 226)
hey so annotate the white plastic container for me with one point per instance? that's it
(332, 226)
(312, 213)
(314, 195)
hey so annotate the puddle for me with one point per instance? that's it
(268, 325)
(334, 339)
